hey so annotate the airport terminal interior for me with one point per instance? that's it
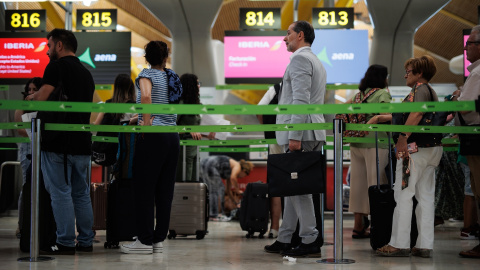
(203, 38)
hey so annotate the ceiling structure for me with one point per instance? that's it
(439, 37)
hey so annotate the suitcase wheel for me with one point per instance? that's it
(172, 234)
(200, 235)
(260, 236)
(111, 244)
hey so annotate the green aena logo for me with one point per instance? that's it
(85, 57)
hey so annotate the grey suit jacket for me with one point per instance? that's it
(303, 83)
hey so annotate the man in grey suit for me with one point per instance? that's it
(303, 83)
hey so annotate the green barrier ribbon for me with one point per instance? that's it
(104, 139)
(1, 148)
(227, 142)
(236, 150)
(416, 129)
(14, 140)
(243, 87)
(15, 125)
(236, 109)
(266, 86)
(450, 149)
(250, 128)
(384, 140)
(168, 129)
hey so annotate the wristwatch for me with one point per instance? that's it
(404, 135)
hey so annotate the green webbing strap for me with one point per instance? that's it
(330, 147)
(236, 150)
(2, 148)
(227, 142)
(104, 139)
(59, 106)
(14, 140)
(384, 140)
(243, 86)
(249, 128)
(16, 125)
(266, 86)
(168, 129)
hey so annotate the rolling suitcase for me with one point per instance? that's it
(190, 208)
(98, 195)
(255, 209)
(189, 215)
(382, 205)
(120, 212)
(120, 221)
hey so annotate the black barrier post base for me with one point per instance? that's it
(37, 259)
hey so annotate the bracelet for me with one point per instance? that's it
(404, 135)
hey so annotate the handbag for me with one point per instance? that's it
(356, 118)
(469, 143)
(296, 173)
(428, 119)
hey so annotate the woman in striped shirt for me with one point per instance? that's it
(156, 154)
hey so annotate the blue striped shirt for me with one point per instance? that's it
(159, 95)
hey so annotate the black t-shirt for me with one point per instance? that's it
(78, 86)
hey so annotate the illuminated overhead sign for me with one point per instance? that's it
(25, 20)
(260, 18)
(332, 18)
(96, 19)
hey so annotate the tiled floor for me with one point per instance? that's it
(226, 247)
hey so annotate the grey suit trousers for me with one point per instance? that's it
(300, 208)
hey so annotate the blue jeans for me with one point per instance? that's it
(69, 201)
(24, 150)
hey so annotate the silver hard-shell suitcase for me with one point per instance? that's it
(189, 215)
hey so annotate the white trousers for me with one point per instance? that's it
(421, 184)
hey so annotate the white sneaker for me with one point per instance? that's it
(136, 248)
(158, 247)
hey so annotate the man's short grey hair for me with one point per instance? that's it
(476, 32)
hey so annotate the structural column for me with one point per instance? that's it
(395, 24)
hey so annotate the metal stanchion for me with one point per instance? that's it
(338, 163)
(34, 197)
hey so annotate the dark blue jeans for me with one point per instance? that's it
(154, 169)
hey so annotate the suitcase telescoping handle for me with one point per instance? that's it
(389, 160)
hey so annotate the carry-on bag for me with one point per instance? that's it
(190, 208)
(47, 227)
(382, 205)
(189, 215)
(120, 203)
(255, 209)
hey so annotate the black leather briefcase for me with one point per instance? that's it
(296, 173)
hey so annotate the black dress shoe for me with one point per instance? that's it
(304, 250)
(84, 249)
(277, 247)
(58, 249)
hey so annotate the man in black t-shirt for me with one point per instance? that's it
(66, 155)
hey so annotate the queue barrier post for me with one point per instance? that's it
(338, 164)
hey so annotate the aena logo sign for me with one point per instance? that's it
(85, 57)
(323, 56)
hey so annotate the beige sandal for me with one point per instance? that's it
(389, 251)
(422, 252)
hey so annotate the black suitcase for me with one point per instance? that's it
(47, 229)
(120, 212)
(254, 209)
(382, 205)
